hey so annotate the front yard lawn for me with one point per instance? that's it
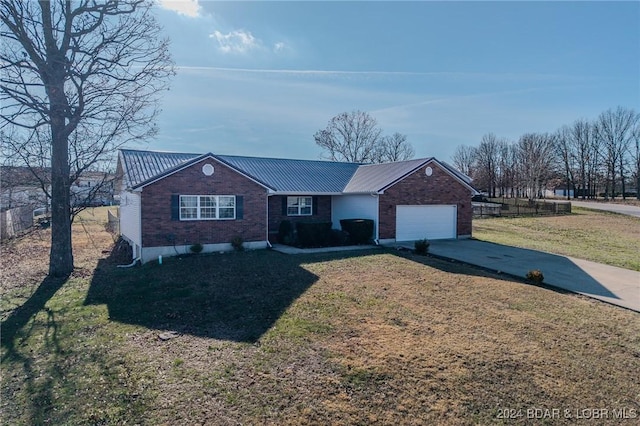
(368, 337)
(603, 237)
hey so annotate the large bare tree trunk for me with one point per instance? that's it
(80, 79)
(61, 255)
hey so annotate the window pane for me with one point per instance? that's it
(226, 213)
(292, 201)
(305, 201)
(188, 207)
(208, 207)
(292, 211)
(188, 201)
(188, 212)
(305, 210)
(227, 201)
(208, 201)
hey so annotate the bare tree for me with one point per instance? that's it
(80, 78)
(394, 148)
(635, 155)
(487, 163)
(355, 137)
(585, 149)
(567, 157)
(536, 151)
(614, 131)
(507, 171)
(464, 158)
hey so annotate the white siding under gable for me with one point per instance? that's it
(130, 225)
(355, 207)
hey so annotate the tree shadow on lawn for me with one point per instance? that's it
(560, 273)
(231, 296)
(21, 316)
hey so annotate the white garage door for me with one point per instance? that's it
(431, 222)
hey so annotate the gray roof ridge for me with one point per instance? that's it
(150, 151)
(289, 159)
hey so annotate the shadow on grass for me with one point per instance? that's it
(15, 326)
(21, 316)
(232, 296)
(560, 273)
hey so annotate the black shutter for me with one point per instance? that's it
(175, 207)
(284, 206)
(239, 206)
(314, 205)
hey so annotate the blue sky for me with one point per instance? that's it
(260, 78)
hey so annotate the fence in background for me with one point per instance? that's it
(13, 221)
(113, 223)
(520, 207)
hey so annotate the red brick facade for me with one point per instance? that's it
(158, 228)
(420, 189)
(322, 213)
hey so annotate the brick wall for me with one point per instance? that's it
(275, 213)
(420, 189)
(159, 230)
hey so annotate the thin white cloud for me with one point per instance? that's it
(238, 41)
(443, 74)
(189, 8)
(279, 47)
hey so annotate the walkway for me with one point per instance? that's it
(295, 250)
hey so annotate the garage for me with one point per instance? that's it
(434, 222)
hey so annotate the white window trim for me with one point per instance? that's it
(217, 208)
(299, 206)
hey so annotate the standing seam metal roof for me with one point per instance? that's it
(305, 176)
(142, 166)
(281, 175)
(375, 177)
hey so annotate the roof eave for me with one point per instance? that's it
(274, 192)
(426, 161)
(191, 163)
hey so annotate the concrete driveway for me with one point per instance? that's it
(609, 207)
(607, 283)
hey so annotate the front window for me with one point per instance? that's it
(299, 206)
(207, 207)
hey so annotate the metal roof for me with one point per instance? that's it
(375, 177)
(291, 176)
(142, 166)
(281, 175)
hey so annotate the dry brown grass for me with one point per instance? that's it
(365, 338)
(603, 237)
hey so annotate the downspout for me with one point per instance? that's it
(377, 238)
(267, 222)
(140, 223)
(134, 263)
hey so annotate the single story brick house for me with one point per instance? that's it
(170, 201)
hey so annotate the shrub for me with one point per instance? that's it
(360, 230)
(196, 248)
(237, 243)
(422, 246)
(285, 233)
(535, 276)
(313, 234)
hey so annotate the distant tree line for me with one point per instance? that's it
(589, 158)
